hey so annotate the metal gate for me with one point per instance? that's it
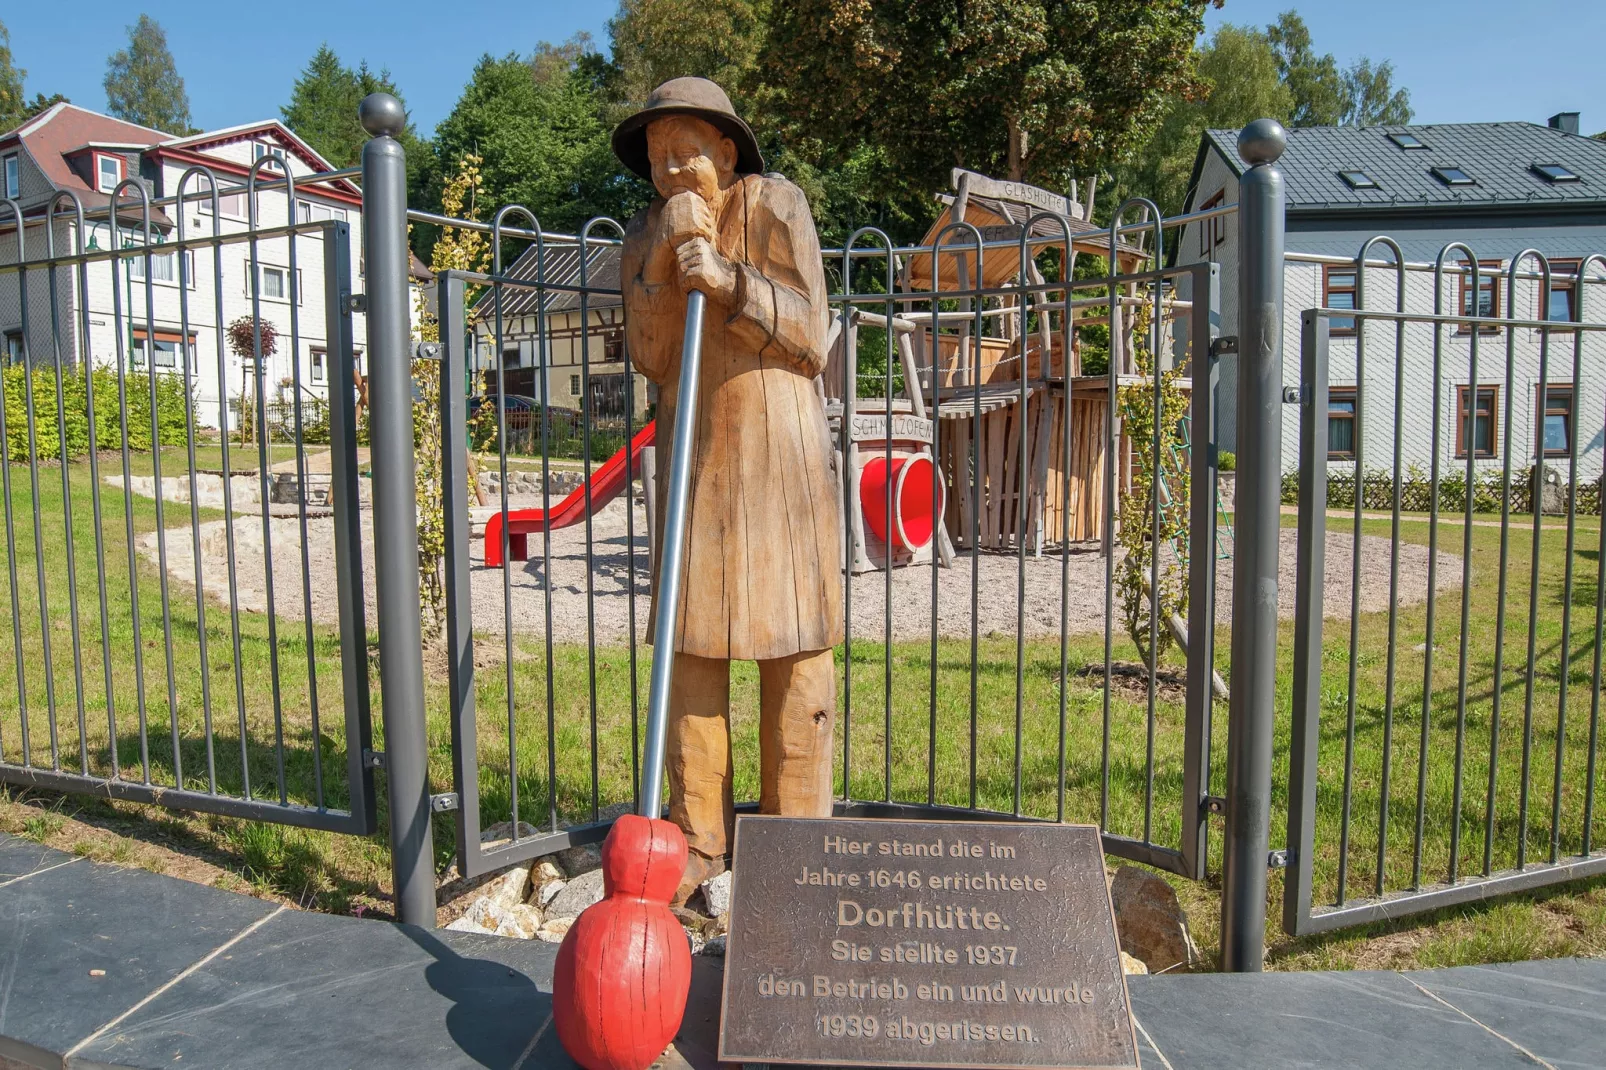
(214, 696)
(1413, 784)
(1008, 715)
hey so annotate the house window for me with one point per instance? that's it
(574, 385)
(1480, 429)
(166, 348)
(1340, 423)
(510, 357)
(109, 170)
(13, 348)
(1212, 231)
(164, 267)
(1488, 296)
(1338, 291)
(1453, 176)
(230, 204)
(1561, 292)
(1554, 172)
(1407, 141)
(259, 150)
(1358, 179)
(13, 178)
(308, 212)
(275, 283)
(320, 361)
(1556, 422)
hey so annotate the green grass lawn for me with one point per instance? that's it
(930, 741)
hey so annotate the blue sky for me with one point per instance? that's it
(1472, 60)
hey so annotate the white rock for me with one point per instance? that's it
(548, 892)
(553, 929)
(715, 947)
(466, 924)
(577, 894)
(543, 871)
(717, 894)
(511, 888)
(520, 921)
(696, 940)
(1130, 965)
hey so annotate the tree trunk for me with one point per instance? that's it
(1017, 150)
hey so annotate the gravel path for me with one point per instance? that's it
(996, 578)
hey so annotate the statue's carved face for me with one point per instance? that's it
(688, 153)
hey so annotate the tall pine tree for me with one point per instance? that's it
(142, 84)
(323, 108)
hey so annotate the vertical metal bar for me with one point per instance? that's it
(259, 360)
(586, 417)
(1022, 497)
(666, 609)
(1252, 707)
(65, 457)
(118, 327)
(95, 502)
(1600, 588)
(1203, 326)
(975, 514)
(1394, 575)
(1466, 601)
(1536, 504)
(11, 533)
(1565, 672)
(850, 492)
(294, 271)
(1309, 570)
(344, 483)
(31, 423)
(401, 667)
(204, 669)
(459, 592)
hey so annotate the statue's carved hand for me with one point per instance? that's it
(702, 268)
(686, 216)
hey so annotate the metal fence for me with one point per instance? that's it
(1443, 747)
(949, 706)
(999, 675)
(170, 644)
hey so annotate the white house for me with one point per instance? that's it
(593, 335)
(68, 148)
(1500, 188)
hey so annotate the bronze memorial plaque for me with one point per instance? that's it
(922, 943)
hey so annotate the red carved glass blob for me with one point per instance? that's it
(624, 970)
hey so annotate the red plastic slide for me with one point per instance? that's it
(606, 484)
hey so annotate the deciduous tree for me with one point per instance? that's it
(11, 76)
(1025, 88)
(143, 85)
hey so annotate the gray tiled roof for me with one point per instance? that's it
(561, 266)
(1498, 156)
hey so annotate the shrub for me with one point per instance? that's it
(110, 428)
(1226, 461)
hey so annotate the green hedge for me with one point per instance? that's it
(109, 426)
(1417, 491)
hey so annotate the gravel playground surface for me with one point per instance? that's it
(996, 581)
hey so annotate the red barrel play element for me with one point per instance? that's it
(623, 973)
(914, 507)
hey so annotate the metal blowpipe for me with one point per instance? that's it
(666, 607)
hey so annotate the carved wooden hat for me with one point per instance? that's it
(686, 96)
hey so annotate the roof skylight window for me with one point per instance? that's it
(1407, 141)
(1358, 179)
(1554, 172)
(1453, 176)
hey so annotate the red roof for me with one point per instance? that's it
(50, 136)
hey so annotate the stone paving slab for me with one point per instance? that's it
(20, 858)
(1555, 1009)
(1358, 1019)
(64, 921)
(195, 976)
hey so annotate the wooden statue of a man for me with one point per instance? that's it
(761, 579)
